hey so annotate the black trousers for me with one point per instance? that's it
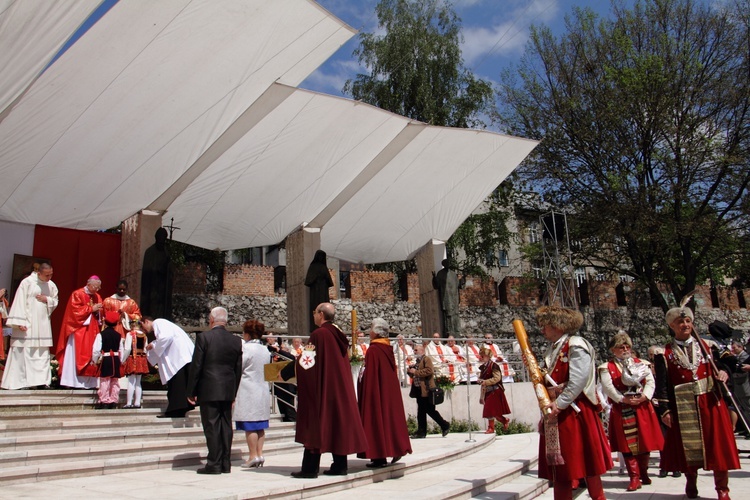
(311, 462)
(177, 404)
(424, 408)
(216, 417)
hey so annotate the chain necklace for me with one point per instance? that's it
(682, 359)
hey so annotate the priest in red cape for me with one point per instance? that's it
(75, 343)
(327, 415)
(380, 405)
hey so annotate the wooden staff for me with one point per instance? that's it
(535, 373)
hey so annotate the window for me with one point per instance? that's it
(502, 258)
(533, 232)
(580, 275)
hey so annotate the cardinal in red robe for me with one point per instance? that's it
(380, 405)
(80, 325)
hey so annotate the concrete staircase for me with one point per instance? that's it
(55, 434)
(54, 444)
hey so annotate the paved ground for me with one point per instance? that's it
(674, 488)
(184, 483)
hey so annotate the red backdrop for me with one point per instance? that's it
(75, 255)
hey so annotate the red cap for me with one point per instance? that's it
(112, 317)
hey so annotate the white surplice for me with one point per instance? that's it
(172, 350)
(28, 363)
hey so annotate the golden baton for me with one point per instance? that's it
(535, 373)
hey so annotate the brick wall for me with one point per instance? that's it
(478, 292)
(602, 294)
(412, 285)
(245, 279)
(190, 279)
(372, 286)
(518, 291)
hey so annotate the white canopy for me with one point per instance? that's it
(189, 108)
(31, 33)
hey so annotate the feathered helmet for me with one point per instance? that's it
(680, 311)
(567, 320)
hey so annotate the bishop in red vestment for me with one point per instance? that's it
(327, 414)
(380, 405)
(80, 323)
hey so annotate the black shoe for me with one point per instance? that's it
(227, 470)
(446, 430)
(677, 474)
(304, 475)
(395, 459)
(206, 470)
(663, 473)
(332, 472)
(377, 464)
(127, 407)
(418, 436)
(112, 406)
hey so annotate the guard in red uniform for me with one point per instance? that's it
(573, 444)
(634, 427)
(699, 429)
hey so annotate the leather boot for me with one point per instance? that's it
(596, 490)
(563, 490)
(490, 426)
(631, 464)
(691, 486)
(721, 481)
(643, 467)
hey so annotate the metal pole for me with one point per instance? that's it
(468, 392)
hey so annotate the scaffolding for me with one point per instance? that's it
(558, 275)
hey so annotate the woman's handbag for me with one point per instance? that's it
(437, 396)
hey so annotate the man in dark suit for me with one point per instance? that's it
(215, 375)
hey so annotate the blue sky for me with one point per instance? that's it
(495, 33)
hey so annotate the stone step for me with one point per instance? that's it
(119, 460)
(72, 399)
(501, 462)
(71, 421)
(46, 448)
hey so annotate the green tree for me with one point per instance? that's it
(643, 121)
(416, 70)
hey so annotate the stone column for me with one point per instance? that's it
(300, 250)
(137, 235)
(429, 260)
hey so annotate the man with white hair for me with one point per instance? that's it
(171, 350)
(31, 336)
(215, 374)
(699, 430)
(75, 344)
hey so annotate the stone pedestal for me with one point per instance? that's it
(300, 250)
(429, 260)
(137, 235)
